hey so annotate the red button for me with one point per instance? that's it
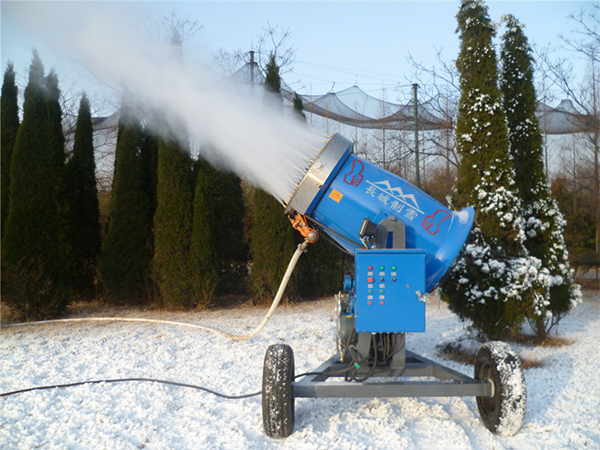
(370, 267)
(381, 303)
(370, 279)
(370, 302)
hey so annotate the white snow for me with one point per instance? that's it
(563, 394)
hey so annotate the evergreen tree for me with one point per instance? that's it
(272, 76)
(493, 282)
(544, 223)
(272, 236)
(299, 107)
(82, 218)
(271, 247)
(204, 243)
(172, 266)
(9, 115)
(228, 213)
(57, 144)
(31, 253)
(127, 252)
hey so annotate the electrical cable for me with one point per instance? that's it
(153, 380)
(288, 273)
(121, 380)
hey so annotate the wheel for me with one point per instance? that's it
(504, 411)
(277, 391)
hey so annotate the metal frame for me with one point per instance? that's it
(410, 367)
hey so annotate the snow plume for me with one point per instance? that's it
(253, 137)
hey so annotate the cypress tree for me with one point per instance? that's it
(271, 247)
(57, 144)
(9, 115)
(485, 175)
(493, 282)
(272, 76)
(543, 221)
(172, 267)
(272, 236)
(228, 213)
(31, 253)
(82, 218)
(127, 252)
(203, 252)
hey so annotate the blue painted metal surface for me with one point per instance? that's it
(387, 286)
(356, 189)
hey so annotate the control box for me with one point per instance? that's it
(388, 284)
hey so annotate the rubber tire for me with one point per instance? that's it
(504, 412)
(277, 391)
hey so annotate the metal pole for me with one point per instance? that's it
(416, 114)
(252, 67)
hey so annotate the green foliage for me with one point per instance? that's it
(9, 127)
(57, 145)
(127, 252)
(481, 136)
(543, 222)
(299, 107)
(577, 206)
(272, 241)
(271, 247)
(229, 210)
(171, 267)
(492, 282)
(272, 76)
(204, 244)
(320, 271)
(29, 292)
(82, 215)
(32, 234)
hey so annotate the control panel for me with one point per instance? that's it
(386, 286)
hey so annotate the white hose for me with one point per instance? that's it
(276, 300)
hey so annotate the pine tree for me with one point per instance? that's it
(34, 267)
(10, 126)
(127, 252)
(82, 218)
(272, 236)
(172, 266)
(493, 282)
(543, 221)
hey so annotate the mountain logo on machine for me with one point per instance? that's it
(408, 199)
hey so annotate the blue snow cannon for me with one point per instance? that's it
(350, 198)
(403, 242)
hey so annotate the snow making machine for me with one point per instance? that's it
(403, 242)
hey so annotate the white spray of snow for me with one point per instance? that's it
(254, 137)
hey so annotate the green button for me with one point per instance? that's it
(393, 267)
(381, 291)
(381, 267)
(370, 291)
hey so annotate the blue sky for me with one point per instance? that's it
(366, 43)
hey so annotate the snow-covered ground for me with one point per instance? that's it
(563, 394)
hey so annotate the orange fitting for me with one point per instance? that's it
(299, 223)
